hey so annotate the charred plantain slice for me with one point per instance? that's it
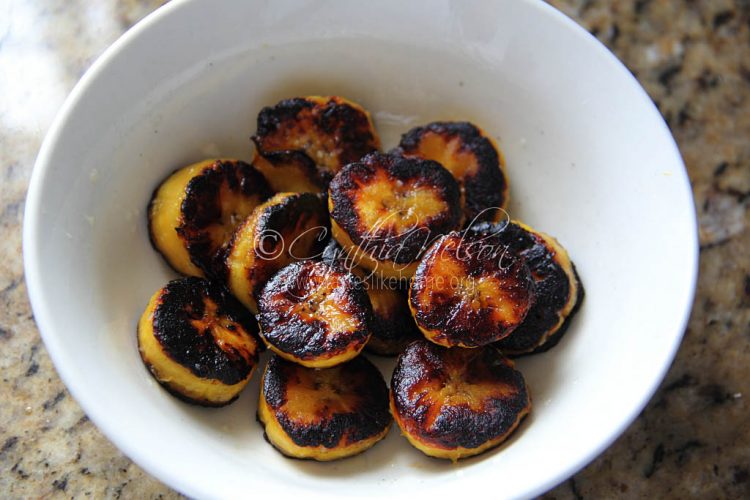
(288, 227)
(193, 213)
(558, 289)
(469, 290)
(198, 342)
(301, 143)
(386, 209)
(323, 414)
(455, 403)
(314, 314)
(471, 156)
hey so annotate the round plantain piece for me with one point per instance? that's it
(472, 157)
(323, 414)
(558, 288)
(314, 314)
(302, 142)
(288, 227)
(386, 209)
(455, 403)
(469, 290)
(193, 213)
(198, 342)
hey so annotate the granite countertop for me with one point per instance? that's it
(692, 440)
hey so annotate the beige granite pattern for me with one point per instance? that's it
(693, 439)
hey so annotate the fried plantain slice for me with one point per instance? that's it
(198, 342)
(469, 290)
(386, 209)
(471, 156)
(288, 227)
(455, 403)
(314, 314)
(323, 414)
(558, 288)
(193, 213)
(302, 142)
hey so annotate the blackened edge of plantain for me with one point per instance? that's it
(487, 187)
(456, 425)
(371, 417)
(276, 218)
(409, 246)
(182, 300)
(201, 207)
(349, 126)
(352, 128)
(311, 340)
(271, 118)
(556, 337)
(552, 289)
(187, 399)
(299, 158)
(292, 457)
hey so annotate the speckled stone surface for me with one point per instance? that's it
(693, 439)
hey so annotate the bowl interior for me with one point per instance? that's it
(589, 159)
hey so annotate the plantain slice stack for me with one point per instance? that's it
(469, 291)
(286, 228)
(455, 403)
(198, 342)
(559, 291)
(472, 157)
(193, 213)
(301, 143)
(323, 414)
(314, 314)
(385, 209)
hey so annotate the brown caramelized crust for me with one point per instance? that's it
(456, 399)
(553, 340)
(290, 171)
(315, 314)
(392, 207)
(185, 322)
(554, 287)
(470, 290)
(331, 408)
(207, 220)
(470, 156)
(287, 228)
(330, 131)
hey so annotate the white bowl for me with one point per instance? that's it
(589, 158)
